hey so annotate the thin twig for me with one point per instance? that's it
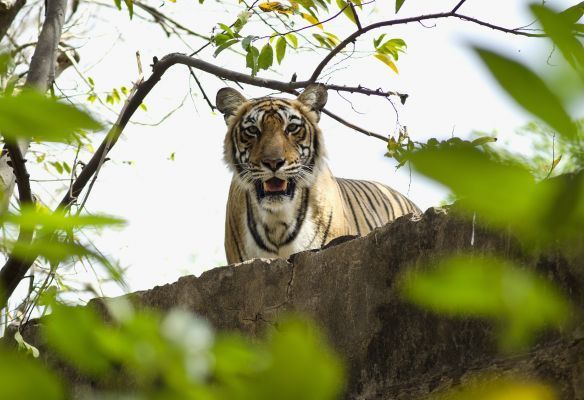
(456, 7)
(202, 90)
(350, 3)
(353, 126)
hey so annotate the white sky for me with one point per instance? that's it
(175, 209)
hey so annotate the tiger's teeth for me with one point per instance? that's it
(275, 185)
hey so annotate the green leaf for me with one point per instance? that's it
(521, 301)
(227, 30)
(246, 42)
(501, 193)
(529, 90)
(50, 121)
(574, 13)
(327, 40)
(251, 59)
(385, 59)
(118, 4)
(398, 5)
(79, 346)
(377, 42)
(25, 378)
(221, 38)
(558, 29)
(57, 166)
(25, 347)
(279, 369)
(29, 218)
(225, 45)
(483, 140)
(54, 251)
(5, 59)
(242, 20)
(280, 49)
(266, 57)
(130, 5)
(293, 39)
(392, 47)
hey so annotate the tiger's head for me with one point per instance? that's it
(273, 145)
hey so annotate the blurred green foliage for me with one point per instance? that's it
(178, 356)
(521, 302)
(52, 121)
(496, 388)
(25, 378)
(502, 189)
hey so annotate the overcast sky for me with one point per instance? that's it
(175, 208)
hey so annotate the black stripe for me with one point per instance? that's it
(235, 240)
(299, 218)
(354, 192)
(396, 197)
(382, 199)
(252, 228)
(326, 232)
(386, 203)
(364, 189)
(341, 183)
(413, 207)
(236, 162)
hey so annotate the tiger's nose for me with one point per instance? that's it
(272, 164)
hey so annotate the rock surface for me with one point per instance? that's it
(393, 349)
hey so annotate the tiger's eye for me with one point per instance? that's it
(291, 128)
(252, 130)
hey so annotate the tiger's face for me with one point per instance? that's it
(273, 145)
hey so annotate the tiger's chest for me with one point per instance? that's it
(270, 242)
(280, 234)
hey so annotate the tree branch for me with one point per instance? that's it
(40, 76)
(8, 11)
(456, 7)
(352, 37)
(42, 65)
(15, 268)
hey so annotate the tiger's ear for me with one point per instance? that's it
(314, 96)
(228, 101)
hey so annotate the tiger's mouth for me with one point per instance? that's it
(274, 187)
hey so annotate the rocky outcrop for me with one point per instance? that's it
(393, 350)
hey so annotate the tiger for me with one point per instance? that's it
(283, 198)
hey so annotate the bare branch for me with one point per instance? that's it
(42, 65)
(8, 11)
(514, 31)
(352, 37)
